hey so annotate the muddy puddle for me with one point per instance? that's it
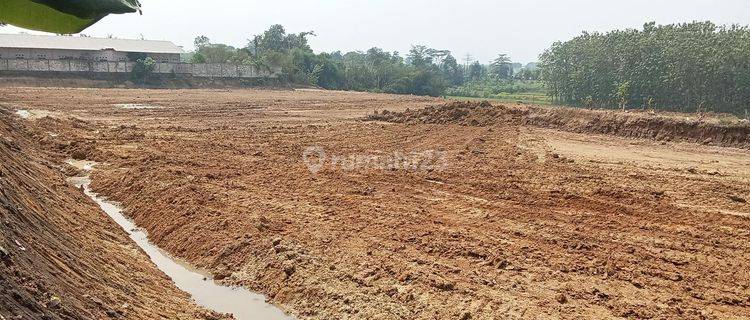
(242, 303)
(136, 106)
(33, 114)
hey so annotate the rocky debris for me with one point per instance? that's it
(222, 274)
(113, 314)
(20, 245)
(738, 199)
(288, 267)
(366, 191)
(212, 315)
(4, 254)
(275, 242)
(466, 315)
(71, 171)
(54, 302)
(10, 144)
(442, 283)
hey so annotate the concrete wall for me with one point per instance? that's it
(62, 65)
(195, 70)
(99, 55)
(18, 65)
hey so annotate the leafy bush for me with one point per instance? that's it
(491, 88)
(143, 69)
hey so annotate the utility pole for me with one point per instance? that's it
(468, 58)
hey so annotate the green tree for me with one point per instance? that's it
(501, 68)
(452, 71)
(201, 41)
(419, 56)
(207, 52)
(276, 40)
(476, 71)
(143, 69)
(623, 94)
(527, 74)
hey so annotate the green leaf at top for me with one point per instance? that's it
(61, 16)
(88, 9)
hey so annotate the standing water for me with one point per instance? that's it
(242, 303)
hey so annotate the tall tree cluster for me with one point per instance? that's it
(424, 71)
(695, 66)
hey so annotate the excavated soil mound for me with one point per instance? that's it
(662, 127)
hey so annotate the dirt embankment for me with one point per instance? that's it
(661, 127)
(62, 258)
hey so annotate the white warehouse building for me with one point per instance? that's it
(38, 47)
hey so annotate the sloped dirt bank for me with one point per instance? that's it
(720, 131)
(62, 258)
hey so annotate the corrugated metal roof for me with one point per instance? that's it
(28, 41)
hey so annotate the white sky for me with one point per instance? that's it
(483, 28)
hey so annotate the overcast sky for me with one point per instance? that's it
(482, 28)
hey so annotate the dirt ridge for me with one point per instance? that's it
(644, 125)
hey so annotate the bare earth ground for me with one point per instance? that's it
(523, 222)
(60, 256)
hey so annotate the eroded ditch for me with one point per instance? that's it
(238, 301)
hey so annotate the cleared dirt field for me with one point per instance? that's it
(510, 221)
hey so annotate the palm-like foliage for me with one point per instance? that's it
(687, 67)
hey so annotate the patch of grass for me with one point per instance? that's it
(526, 97)
(506, 91)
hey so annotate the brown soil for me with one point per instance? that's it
(521, 222)
(62, 258)
(721, 130)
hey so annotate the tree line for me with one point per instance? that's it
(695, 66)
(422, 71)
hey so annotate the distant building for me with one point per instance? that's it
(35, 47)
